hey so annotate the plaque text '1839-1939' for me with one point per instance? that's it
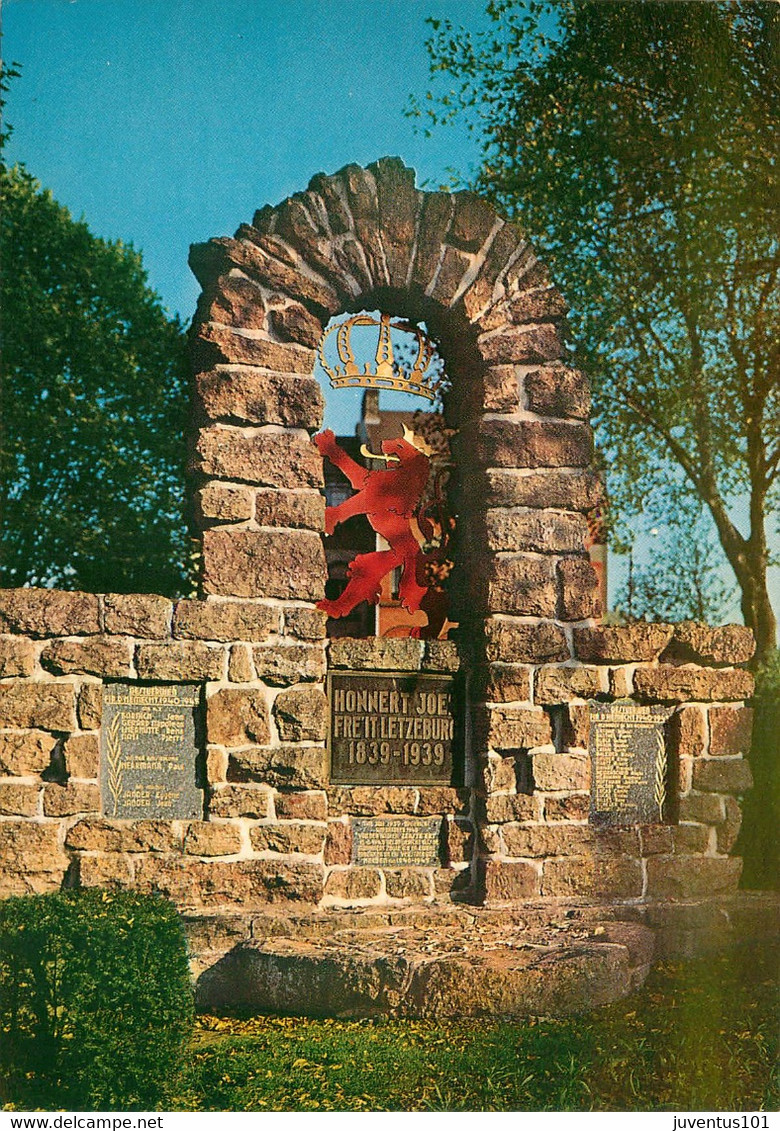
(391, 729)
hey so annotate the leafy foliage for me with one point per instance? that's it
(95, 999)
(635, 141)
(92, 447)
(698, 1037)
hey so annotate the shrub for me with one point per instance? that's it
(95, 999)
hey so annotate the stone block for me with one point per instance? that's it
(182, 660)
(514, 641)
(376, 654)
(592, 876)
(539, 306)
(255, 396)
(698, 643)
(96, 834)
(371, 801)
(579, 598)
(236, 301)
(450, 276)
(560, 684)
(504, 442)
(24, 753)
(90, 706)
(621, 682)
(500, 774)
(301, 714)
(721, 775)
(264, 563)
(398, 206)
(687, 732)
(689, 877)
(519, 584)
(557, 390)
(408, 883)
(435, 219)
(728, 831)
(512, 728)
(293, 323)
(708, 808)
(293, 767)
(281, 664)
(137, 614)
(574, 807)
(575, 726)
(82, 756)
(498, 390)
(674, 839)
(565, 772)
(106, 656)
(669, 683)
(632, 642)
(220, 345)
(307, 840)
(48, 612)
(268, 459)
(238, 718)
(33, 704)
(459, 842)
(434, 799)
(301, 806)
(572, 490)
(472, 221)
(504, 881)
(67, 800)
(106, 871)
(19, 799)
(205, 884)
(541, 532)
(33, 860)
(503, 807)
(224, 620)
(240, 801)
(353, 884)
(568, 840)
(297, 509)
(338, 846)
(305, 623)
(204, 838)
(225, 502)
(240, 666)
(528, 345)
(504, 683)
(17, 657)
(731, 730)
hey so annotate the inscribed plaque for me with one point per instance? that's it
(391, 728)
(148, 751)
(628, 764)
(396, 842)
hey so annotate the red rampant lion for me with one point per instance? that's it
(388, 498)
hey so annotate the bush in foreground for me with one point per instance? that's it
(95, 1000)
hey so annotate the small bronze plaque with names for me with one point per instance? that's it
(396, 842)
(391, 728)
(148, 751)
(628, 764)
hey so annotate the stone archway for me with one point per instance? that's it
(368, 239)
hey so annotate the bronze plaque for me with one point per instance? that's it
(396, 842)
(148, 751)
(391, 728)
(628, 764)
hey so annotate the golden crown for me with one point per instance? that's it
(422, 379)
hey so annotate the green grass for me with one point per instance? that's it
(697, 1037)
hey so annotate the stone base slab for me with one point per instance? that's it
(544, 958)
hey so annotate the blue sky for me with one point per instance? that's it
(166, 122)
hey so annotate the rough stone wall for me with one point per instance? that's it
(275, 831)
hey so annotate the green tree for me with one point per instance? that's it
(94, 401)
(635, 142)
